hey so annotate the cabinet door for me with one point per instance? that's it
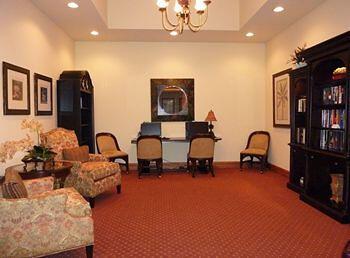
(297, 169)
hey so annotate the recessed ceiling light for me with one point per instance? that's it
(278, 9)
(72, 5)
(249, 34)
(94, 33)
(174, 33)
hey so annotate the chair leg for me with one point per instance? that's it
(241, 162)
(92, 202)
(119, 189)
(188, 165)
(159, 165)
(193, 166)
(127, 164)
(89, 251)
(139, 167)
(251, 162)
(211, 167)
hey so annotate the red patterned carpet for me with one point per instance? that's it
(235, 214)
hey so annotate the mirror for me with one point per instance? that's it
(172, 99)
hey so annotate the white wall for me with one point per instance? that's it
(326, 21)
(30, 40)
(229, 78)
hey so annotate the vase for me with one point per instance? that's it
(299, 65)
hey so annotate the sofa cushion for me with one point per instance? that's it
(77, 154)
(99, 170)
(13, 187)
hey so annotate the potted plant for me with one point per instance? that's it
(297, 58)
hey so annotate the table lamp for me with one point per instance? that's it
(211, 118)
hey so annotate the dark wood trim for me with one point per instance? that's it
(38, 77)
(287, 71)
(5, 68)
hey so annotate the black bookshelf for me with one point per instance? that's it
(320, 165)
(75, 103)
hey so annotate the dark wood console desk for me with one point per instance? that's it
(176, 139)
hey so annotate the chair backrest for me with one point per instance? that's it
(106, 142)
(149, 147)
(201, 147)
(259, 140)
(59, 139)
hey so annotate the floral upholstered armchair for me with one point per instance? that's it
(90, 178)
(44, 221)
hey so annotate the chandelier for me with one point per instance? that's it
(184, 15)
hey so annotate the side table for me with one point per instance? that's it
(59, 171)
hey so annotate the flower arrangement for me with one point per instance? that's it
(35, 153)
(297, 56)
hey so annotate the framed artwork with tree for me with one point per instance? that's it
(281, 99)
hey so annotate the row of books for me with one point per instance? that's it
(301, 135)
(333, 118)
(333, 95)
(330, 140)
(301, 105)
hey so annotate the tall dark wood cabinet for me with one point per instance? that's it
(320, 165)
(299, 97)
(75, 106)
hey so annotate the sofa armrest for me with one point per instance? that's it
(97, 157)
(39, 185)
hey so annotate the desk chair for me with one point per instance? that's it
(257, 147)
(201, 150)
(149, 149)
(108, 146)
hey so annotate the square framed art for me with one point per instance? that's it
(42, 95)
(16, 90)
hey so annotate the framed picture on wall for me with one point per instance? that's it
(16, 90)
(281, 114)
(172, 100)
(42, 95)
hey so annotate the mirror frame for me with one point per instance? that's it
(187, 85)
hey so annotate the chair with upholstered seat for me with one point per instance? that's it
(92, 174)
(108, 146)
(201, 150)
(257, 147)
(149, 149)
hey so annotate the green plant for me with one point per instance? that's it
(39, 153)
(297, 56)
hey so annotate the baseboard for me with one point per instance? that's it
(172, 165)
(217, 164)
(279, 170)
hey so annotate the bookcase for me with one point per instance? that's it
(299, 92)
(320, 146)
(75, 106)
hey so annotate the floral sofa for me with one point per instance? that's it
(88, 178)
(47, 221)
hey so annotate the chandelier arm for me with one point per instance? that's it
(167, 25)
(201, 24)
(168, 20)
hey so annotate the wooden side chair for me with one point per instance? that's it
(108, 146)
(257, 147)
(149, 149)
(201, 150)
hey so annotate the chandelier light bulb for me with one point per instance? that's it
(162, 3)
(177, 7)
(200, 5)
(174, 33)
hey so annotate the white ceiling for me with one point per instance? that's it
(140, 20)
